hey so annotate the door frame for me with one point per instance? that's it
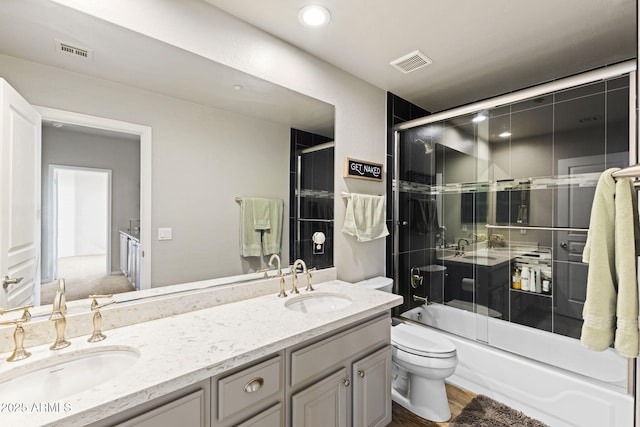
(145, 134)
(53, 218)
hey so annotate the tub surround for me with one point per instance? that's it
(182, 349)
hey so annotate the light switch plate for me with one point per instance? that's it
(164, 233)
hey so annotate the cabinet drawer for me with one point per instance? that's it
(323, 355)
(249, 386)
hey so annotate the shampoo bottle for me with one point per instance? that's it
(515, 280)
(524, 279)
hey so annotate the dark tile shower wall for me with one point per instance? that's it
(413, 244)
(319, 176)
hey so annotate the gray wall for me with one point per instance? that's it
(200, 159)
(60, 146)
(360, 117)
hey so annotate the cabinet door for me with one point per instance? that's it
(323, 404)
(272, 417)
(124, 254)
(187, 411)
(372, 389)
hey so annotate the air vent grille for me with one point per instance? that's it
(411, 62)
(75, 51)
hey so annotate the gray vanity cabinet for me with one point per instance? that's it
(188, 407)
(343, 379)
(340, 379)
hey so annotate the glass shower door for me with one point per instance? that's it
(314, 205)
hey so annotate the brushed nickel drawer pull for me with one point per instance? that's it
(253, 385)
(346, 382)
(361, 374)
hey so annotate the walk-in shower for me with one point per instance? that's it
(491, 206)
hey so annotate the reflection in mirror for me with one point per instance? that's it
(218, 134)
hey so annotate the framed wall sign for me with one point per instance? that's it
(362, 170)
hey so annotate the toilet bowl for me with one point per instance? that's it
(421, 360)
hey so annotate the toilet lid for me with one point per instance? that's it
(421, 341)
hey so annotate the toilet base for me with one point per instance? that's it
(426, 398)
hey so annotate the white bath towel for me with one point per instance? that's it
(365, 217)
(611, 307)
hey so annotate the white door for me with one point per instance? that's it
(20, 157)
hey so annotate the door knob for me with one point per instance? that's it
(361, 374)
(563, 245)
(6, 281)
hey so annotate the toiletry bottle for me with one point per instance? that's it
(524, 279)
(515, 281)
(538, 282)
(546, 286)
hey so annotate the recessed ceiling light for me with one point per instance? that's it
(505, 134)
(479, 118)
(237, 87)
(314, 16)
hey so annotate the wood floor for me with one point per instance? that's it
(458, 399)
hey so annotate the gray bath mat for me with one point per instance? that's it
(483, 411)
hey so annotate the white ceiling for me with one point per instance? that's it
(479, 48)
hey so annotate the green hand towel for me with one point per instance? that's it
(611, 307)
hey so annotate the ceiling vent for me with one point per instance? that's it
(411, 62)
(69, 50)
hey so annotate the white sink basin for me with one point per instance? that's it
(479, 257)
(318, 303)
(61, 376)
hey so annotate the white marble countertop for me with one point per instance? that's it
(183, 349)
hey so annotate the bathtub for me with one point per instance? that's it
(549, 377)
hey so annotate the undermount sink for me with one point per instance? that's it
(64, 375)
(318, 303)
(480, 257)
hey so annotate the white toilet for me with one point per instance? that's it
(422, 359)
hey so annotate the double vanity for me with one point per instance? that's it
(314, 358)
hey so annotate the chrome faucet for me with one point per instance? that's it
(460, 249)
(275, 257)
(424, 300)
(294, 274)
(58, 317)
(19, 352)
(97, 317)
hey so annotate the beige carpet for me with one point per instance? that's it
(84, 276)
(483, 411)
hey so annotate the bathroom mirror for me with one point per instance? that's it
(217, 134)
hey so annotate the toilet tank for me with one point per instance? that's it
(379, 283)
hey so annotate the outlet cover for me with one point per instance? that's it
(164, 233)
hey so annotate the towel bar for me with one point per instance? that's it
(522, 227)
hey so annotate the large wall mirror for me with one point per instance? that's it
(218, 135)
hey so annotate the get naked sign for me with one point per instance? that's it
(362, 170)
